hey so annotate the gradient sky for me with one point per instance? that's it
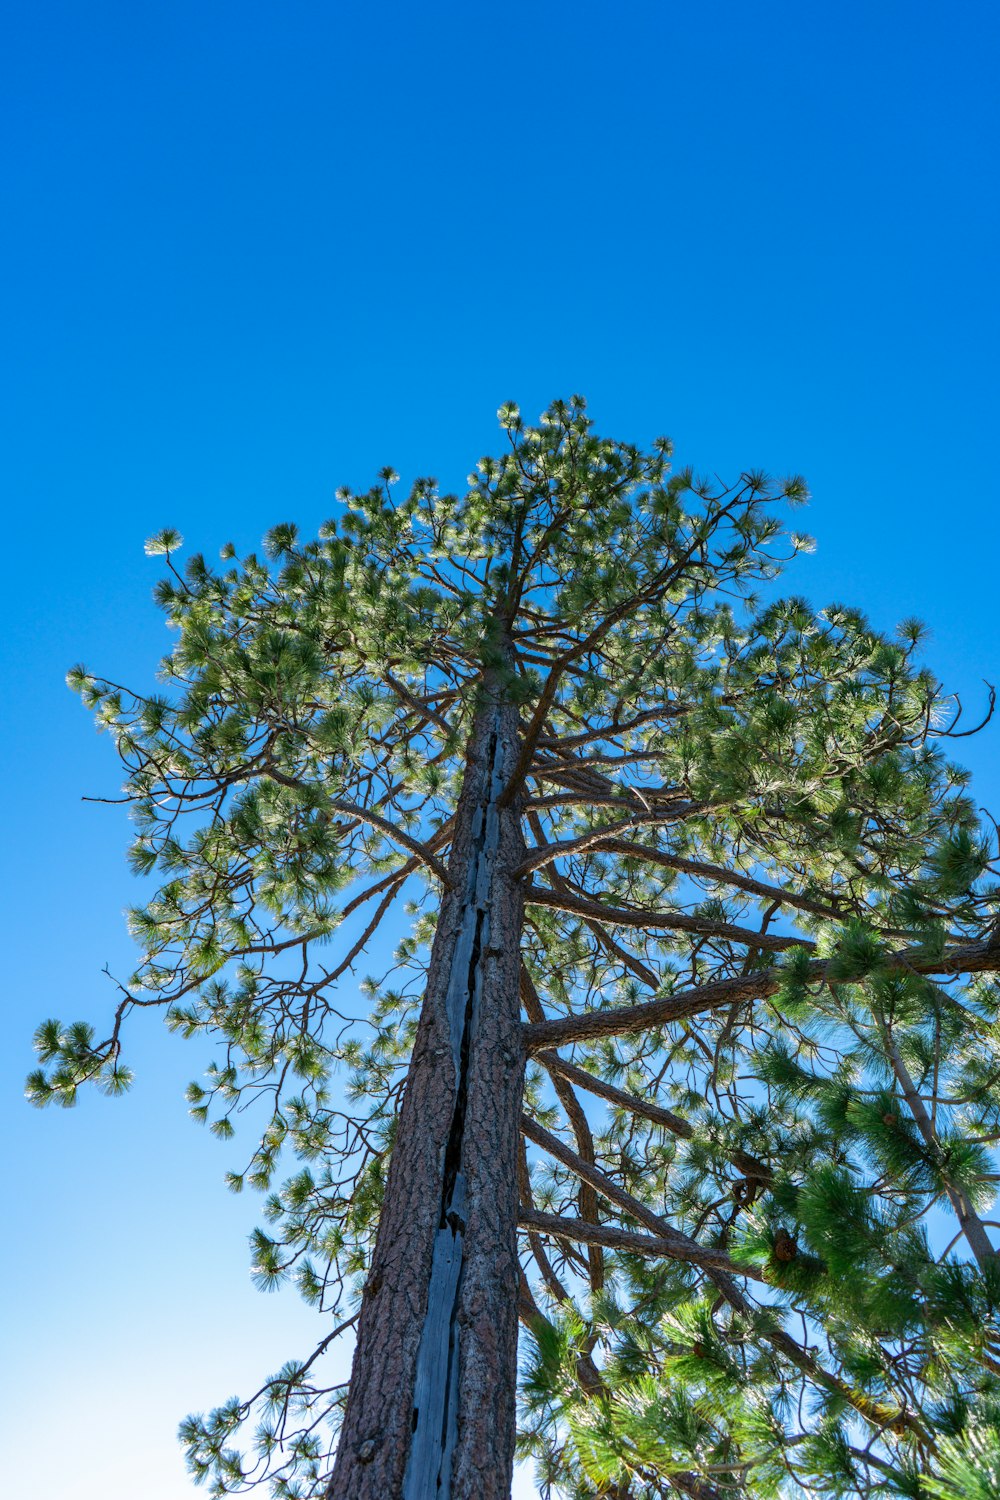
(253, 251)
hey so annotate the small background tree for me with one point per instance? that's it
(722, 1049)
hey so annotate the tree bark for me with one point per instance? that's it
(431, 1407)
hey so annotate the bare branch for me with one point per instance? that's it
(637, 916)
(629, 1102)
(674, 1246)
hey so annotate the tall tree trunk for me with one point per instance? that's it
(431, 1408)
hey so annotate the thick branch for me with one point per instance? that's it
(546, 853)
(619, 1020)
(969, 958)
(669, 1247)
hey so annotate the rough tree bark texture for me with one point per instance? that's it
(431, 1409)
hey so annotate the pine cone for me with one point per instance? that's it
(785, 1248)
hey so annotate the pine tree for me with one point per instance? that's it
(688, 1058)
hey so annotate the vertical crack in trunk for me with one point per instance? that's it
(435, 1392)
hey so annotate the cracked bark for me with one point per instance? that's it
(431, 1408)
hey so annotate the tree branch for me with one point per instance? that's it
(968, 958)
(722, 1271)
(636, 916)
(366, 815)
(683, 1247)
(668, 1247)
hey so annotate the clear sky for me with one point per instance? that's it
(253, 251)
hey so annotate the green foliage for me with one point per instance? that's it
(164, 542)
(968, 1466)
(957, 863)
(748, 804)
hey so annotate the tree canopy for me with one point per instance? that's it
(761, 1020)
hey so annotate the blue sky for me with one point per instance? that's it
(255, 251)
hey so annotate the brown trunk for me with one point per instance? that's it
(431, 1408)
